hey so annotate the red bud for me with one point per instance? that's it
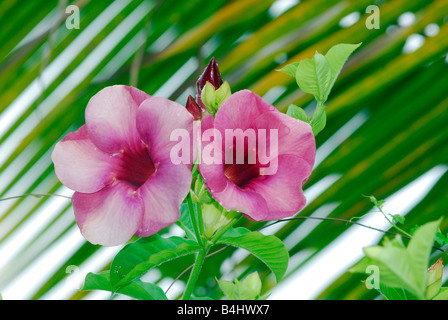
(211, 74)
(194, 108)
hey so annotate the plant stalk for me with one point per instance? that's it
(194, 275)
(194, 221)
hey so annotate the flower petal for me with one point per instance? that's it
(111, 118)
(157, 119)
(245, 201)
(240, 109)
(163, 195)
(295, 137)
(80, 165)
(283, 190)
(110, 216)
(212, 172)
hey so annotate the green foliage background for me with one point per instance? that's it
(144, 43)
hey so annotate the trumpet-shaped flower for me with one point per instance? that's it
(262, 190)
(119, 165)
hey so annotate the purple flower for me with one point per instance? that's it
(251, 186)
(119, 165)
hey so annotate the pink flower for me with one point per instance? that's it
(119, 165)
(245, 187)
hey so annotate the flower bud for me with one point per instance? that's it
(212, 98)
(248, 289)
(194, 108)
(211, 74)
(201, 191)
(214, 218)
(222, 94)
(253, 283)
(208, 97)
(434, 279)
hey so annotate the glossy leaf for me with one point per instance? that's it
(314, 76)
(185, 222)
(319, 120)
(136, 289)
(138, 257)
(290, 69)
(337, 56)
(442, 295)
(396, 293)
(297, 113)
(248, 289)
(268, 249)
(405, 268)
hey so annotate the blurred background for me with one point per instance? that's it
(386, 131)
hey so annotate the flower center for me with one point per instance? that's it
(136, 167)
(241, 174)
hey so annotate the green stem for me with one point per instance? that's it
(194, 221)
(394, 224)
(200, 220)
(194, 275)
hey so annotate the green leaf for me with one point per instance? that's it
(143, 291)
(290, 69)
(136, 289)
(397, 218)
(185, 222)
(395, 268)
(243, 292)
(442, 295)
(314, 77)
(297, 113)
(361, 266)
(336, 57)
(138, 257)
(248, 289)
(405, 267)
(99, 281)
(414, 228)
(228, 288)
(319, 120)
(420, 248)
(396, 293)
(268, 249)
(236, 232)
(441, 239)
(253, 282)
(201, 298)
